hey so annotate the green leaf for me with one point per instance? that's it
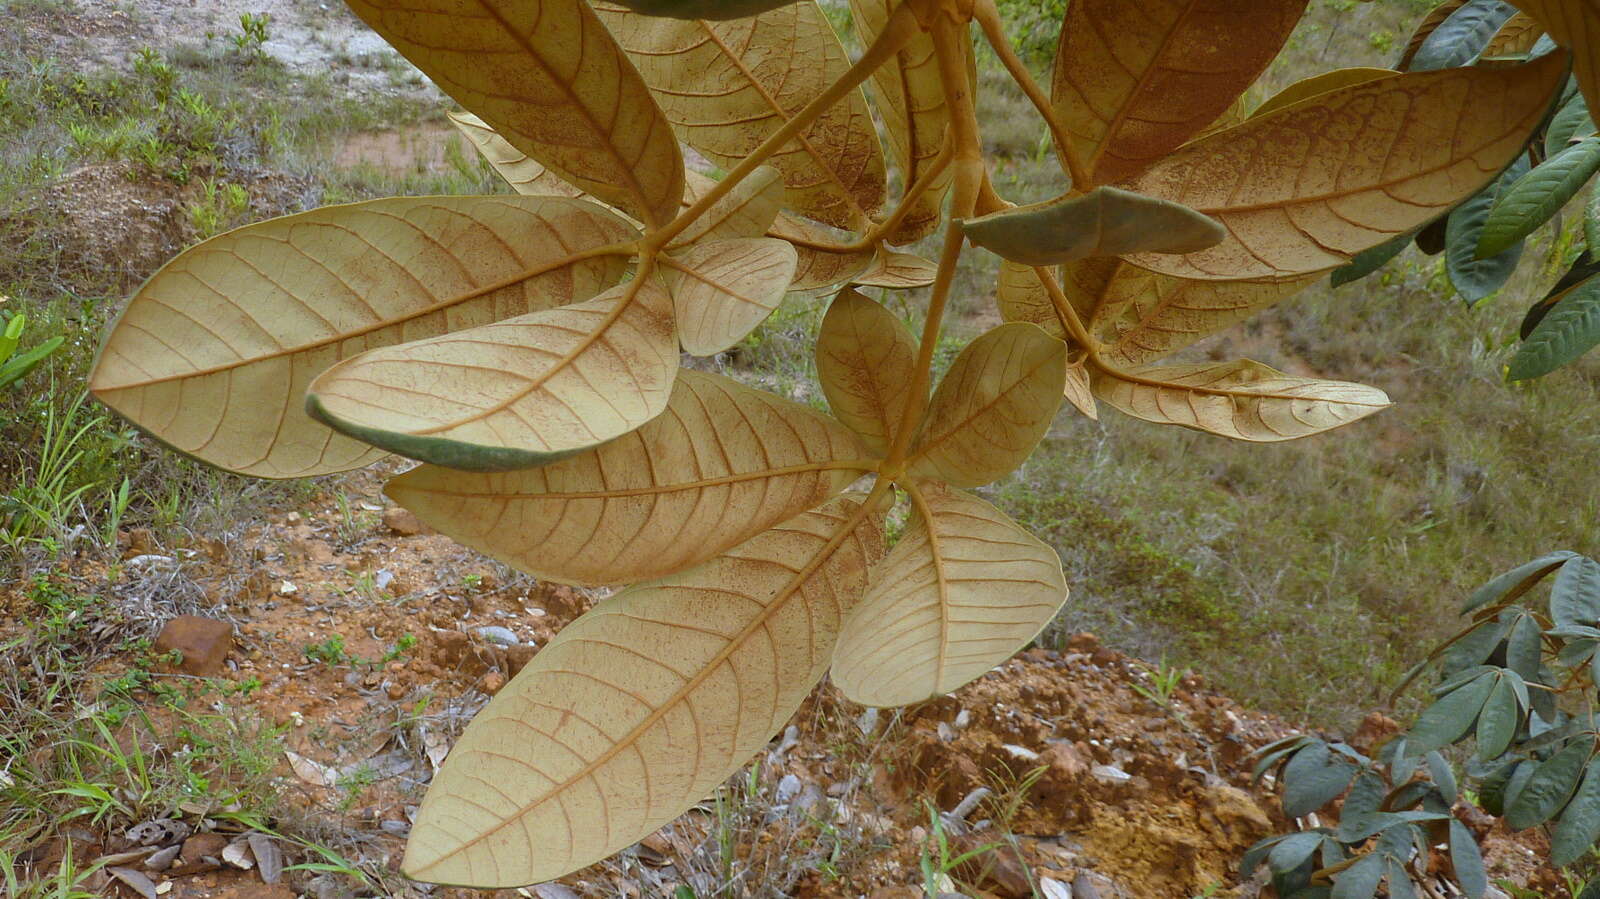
(1313, 778)
(1255, 855)
(1519, 578)
(1570, 121)
(1360, 880)
(1460, 38)
(1360, 808)
(1107, 221)
(1498, 724)
(1474, 648)
(1591, 890)
(1443, 776)
(1370, 260)
(1532, 199)
(1272, 756)
(1492, 789)
(1575, 594)
(1399, 879)
(1292, 852)
(17, 367)
(1579, 826)
(1523, 647)
(1591, 226)
(1472, 277)
(1550, 786)
(1570, 329)
(1449, 719)
(1467, 861)
(1516, 783)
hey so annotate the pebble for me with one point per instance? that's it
(1110, 774)
(503, 636)
(788, 787)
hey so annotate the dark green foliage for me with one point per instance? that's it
(1520, 681)
(1472, 277)
(1459, 39)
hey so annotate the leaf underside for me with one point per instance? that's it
(214, 353)
(650, 502)
(641, 707)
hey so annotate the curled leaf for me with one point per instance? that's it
(1107, 221)
(651, 502)
(897, 271)
(521, 392)
(525, 175)
(703, 9)
(1244, 400)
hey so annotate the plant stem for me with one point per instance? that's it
(897, 32)
(994, 32)
(969, 173)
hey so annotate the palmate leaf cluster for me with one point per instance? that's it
(1483, 238)
(525, 347)
(1519, 684)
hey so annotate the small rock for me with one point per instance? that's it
(203, 845)
(287, 588)
(1110, 774)
(553, 891)
(947, 734)
(788, 787)
(1054, 889)
(292, 518)
(502, 636)
(1065, 761)
(963, 719)
(382, 578)
(394, 690)
(391, 826)
(1021, 753)
(402, 521)
(492, 683)
(203, 642)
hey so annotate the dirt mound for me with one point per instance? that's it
(365, 644)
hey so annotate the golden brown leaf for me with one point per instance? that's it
(748, 210)
(963, 589)
(994, 404)
(1574, 24)
(1141, 316)
(1515, 38)
(1244, 400)
(546, 76)
(898, 271)
(728, 86)
(1022, 298)
(651, 502)
(524, 391)
(1134, 79)
(1080, 392)
(640, 708)
(723, 289)
(1306, 88)
(1106, 221)
(1305, 188)
(866, 362)
(910, 97)
(214, 353)
(522, 172)
(822, 263)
